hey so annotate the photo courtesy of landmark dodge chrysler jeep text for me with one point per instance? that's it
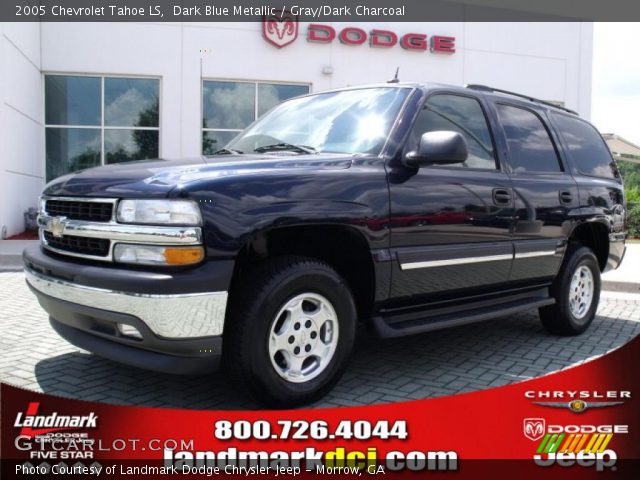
(407, 207)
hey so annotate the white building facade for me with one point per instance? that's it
(73, 95)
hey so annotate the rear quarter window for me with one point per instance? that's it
(586, 148)
(531, 149)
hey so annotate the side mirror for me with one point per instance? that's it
(442, 147)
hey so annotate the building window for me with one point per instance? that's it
(230, 107)
(91, 120)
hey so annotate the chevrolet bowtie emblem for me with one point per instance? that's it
(57, 226)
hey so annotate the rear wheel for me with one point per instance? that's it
(290, 331)
(576, 290)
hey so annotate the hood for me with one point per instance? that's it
(157, 178)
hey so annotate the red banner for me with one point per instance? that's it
(580, 422)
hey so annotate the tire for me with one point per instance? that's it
(264, 346)
(574, 311)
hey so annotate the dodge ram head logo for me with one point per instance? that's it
(280, 29)
(57, 226)
(534, 428)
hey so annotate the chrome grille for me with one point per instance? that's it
(98, 247)
(86, 227)
(94, 211)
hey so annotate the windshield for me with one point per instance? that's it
(349, 121)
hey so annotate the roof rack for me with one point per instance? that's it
(485, 88)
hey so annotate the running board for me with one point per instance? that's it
(401, 325)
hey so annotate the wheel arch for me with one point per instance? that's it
(343, 247)
(595, 235)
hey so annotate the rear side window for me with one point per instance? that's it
(586, 148)
(530, 146)
(459, 114)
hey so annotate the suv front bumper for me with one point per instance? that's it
(179, 328)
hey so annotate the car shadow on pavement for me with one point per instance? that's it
(90, 377)
(446, 362)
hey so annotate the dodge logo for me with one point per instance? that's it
(280, 29)
(534, 428)
(57, 225)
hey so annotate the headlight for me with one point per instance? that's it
(159, 212)
(157, 255)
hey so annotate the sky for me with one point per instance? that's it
(615, 104)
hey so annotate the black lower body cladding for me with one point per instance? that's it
(158, 320)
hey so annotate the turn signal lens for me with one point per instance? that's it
(157, 255)
(183, 256)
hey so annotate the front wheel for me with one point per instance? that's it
(290, 332)
(576, 290)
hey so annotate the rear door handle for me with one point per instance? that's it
(565, 197)
(501, 196)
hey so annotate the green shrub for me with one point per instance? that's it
(630, 173)
(632, 194)
(633, 220)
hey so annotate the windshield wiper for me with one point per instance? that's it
(283, 146)
(227, 151)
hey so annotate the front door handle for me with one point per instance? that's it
(566, 197)
(501, 196)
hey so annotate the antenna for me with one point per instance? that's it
(395, 79)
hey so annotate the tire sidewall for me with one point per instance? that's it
(580, 257)
(322, 281)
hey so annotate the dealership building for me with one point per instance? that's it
(76, 95)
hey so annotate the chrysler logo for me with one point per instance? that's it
(578, 406)
(57, 226)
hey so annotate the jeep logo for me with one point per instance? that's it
(606, 459)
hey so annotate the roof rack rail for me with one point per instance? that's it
(485, 88)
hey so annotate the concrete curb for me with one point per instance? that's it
(10, 269)
(11, 254)
(10, 263)
(626, 287)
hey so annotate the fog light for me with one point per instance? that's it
(157, 255)
(129, 331)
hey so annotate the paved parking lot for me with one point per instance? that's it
(452, 361)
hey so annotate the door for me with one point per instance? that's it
(544, 192)
(450, 225)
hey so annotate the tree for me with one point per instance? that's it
(208, 143)
(147, 140)
(630, 174)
